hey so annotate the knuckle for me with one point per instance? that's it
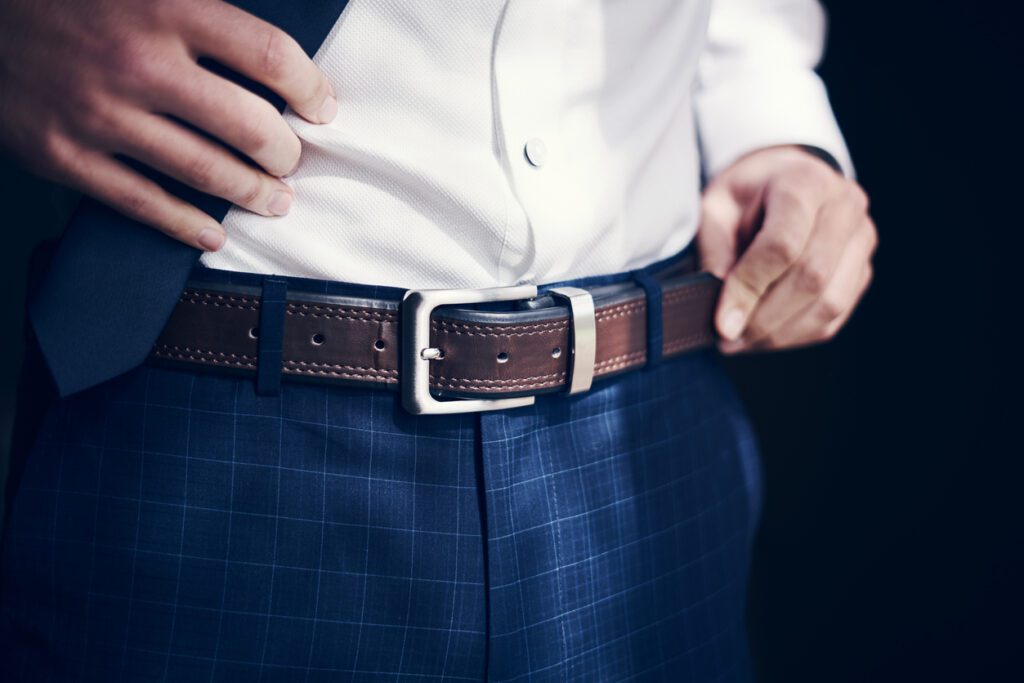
(254, 135)
(159, 72)
(830, 307)
(277, 46)
(783, 248)
(250, 192)
(131, 60)
(125, 55)
(140, 64)
(99, 116)
(743, 286)
(135, 203)
(793, 196)
(202, 170)
(812, 277)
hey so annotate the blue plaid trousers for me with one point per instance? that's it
(176, 526)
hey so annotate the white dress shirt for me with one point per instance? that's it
(494, 142)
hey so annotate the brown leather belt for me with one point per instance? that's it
(550, 342)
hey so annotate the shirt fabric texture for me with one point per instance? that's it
(508, 141)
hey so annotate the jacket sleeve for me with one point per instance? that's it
(756, 85)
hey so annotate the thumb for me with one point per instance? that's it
(718, 233)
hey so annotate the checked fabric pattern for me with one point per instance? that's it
(175, 526)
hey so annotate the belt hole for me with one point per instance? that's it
(379, 344)
(503, 357)
(253, 334)
(318, 339)
(556, 352)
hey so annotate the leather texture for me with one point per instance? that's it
(113, 282)
(486, 353)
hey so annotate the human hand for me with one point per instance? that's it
(86, 80)
(793, 242)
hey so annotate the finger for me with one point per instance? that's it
(719, 227)
(788, 221)
(267, 55)
(141, 199)
(833, 328)
(236, 117)
(821, 319)
(202, 164)
(812, 338)
(806, 281)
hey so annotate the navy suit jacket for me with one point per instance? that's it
(112, 282)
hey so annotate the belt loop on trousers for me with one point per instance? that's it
(655, 322)
(270, 345)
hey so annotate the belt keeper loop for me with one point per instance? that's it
(655, 322)
(582, 336)
(270, 346)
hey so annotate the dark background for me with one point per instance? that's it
(891, 546)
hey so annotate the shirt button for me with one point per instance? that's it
(536, 152)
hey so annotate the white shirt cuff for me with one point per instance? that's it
(758, 109)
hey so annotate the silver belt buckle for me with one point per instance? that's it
(417, 353)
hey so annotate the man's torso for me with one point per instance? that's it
(501, 143)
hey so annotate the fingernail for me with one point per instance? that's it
(211, 239)
(280, 202)
(732, 324)
(328, 110)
